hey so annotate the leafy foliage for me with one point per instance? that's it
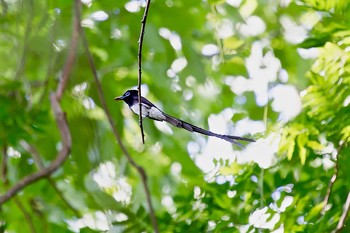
(243, 65)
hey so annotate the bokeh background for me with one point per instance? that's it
(277, 71)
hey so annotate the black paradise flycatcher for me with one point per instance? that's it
(151, 111)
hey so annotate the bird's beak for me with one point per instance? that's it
(119, 98)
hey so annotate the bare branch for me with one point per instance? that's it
(332, 181)
(139, 55)
(344, 215)
(139, 169)
(61, 120)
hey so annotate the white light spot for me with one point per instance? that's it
(259, 218)
(231, 194)
(87, 2)
(116, 34)
(165, 128)
(188, 94)
(197, 192)
(105, 176)
(190, 81)
(174, 39)
(310, 53)
(120, 217)
(293, 33)
(234, 3)
(179, 64)
(133, 6)
(220, 180)
(193, 148)
(253, 26)
(263, 152)
(210, 50)
(286, 101)
(283, 76)
(11, 152)
(225, 29)
(99, 16)
(59, 45)
(254, 179)
(346, 101)
(176, 168)
(165, 33)
(287, 201)
(88, 23)
(168, 203)
(88, 103)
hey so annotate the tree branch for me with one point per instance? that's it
(40, 165)
(344, 215)
(72, 52)
(61, 120)
(60, 158)
(139, 169)
(4, 165)
(139, 56)
(332, 181)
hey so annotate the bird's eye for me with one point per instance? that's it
(127, 93)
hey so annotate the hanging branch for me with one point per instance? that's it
(60, 116)
(139, 56)
(139, 169)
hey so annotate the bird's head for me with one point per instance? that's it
(129, 96)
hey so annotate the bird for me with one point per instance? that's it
(149, 110)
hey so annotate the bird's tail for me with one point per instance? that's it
(192, 128)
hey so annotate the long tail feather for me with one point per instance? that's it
(192, 128)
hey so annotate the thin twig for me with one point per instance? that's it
(139, 169)
(40, 165)
(332, 180)
(344, 215)
(61, 122)
(26, 215)
(139, 55)
(4, 165)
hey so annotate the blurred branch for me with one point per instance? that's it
(26, 215)
(72, 52)
(40, 165)
(332, 180)
(60, 158)
(139, 169)
(344, 215)
(60, 116)
(4, 7)
(139, 56)
(28, 29)
(4, 165)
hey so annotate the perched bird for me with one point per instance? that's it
(151, 111)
